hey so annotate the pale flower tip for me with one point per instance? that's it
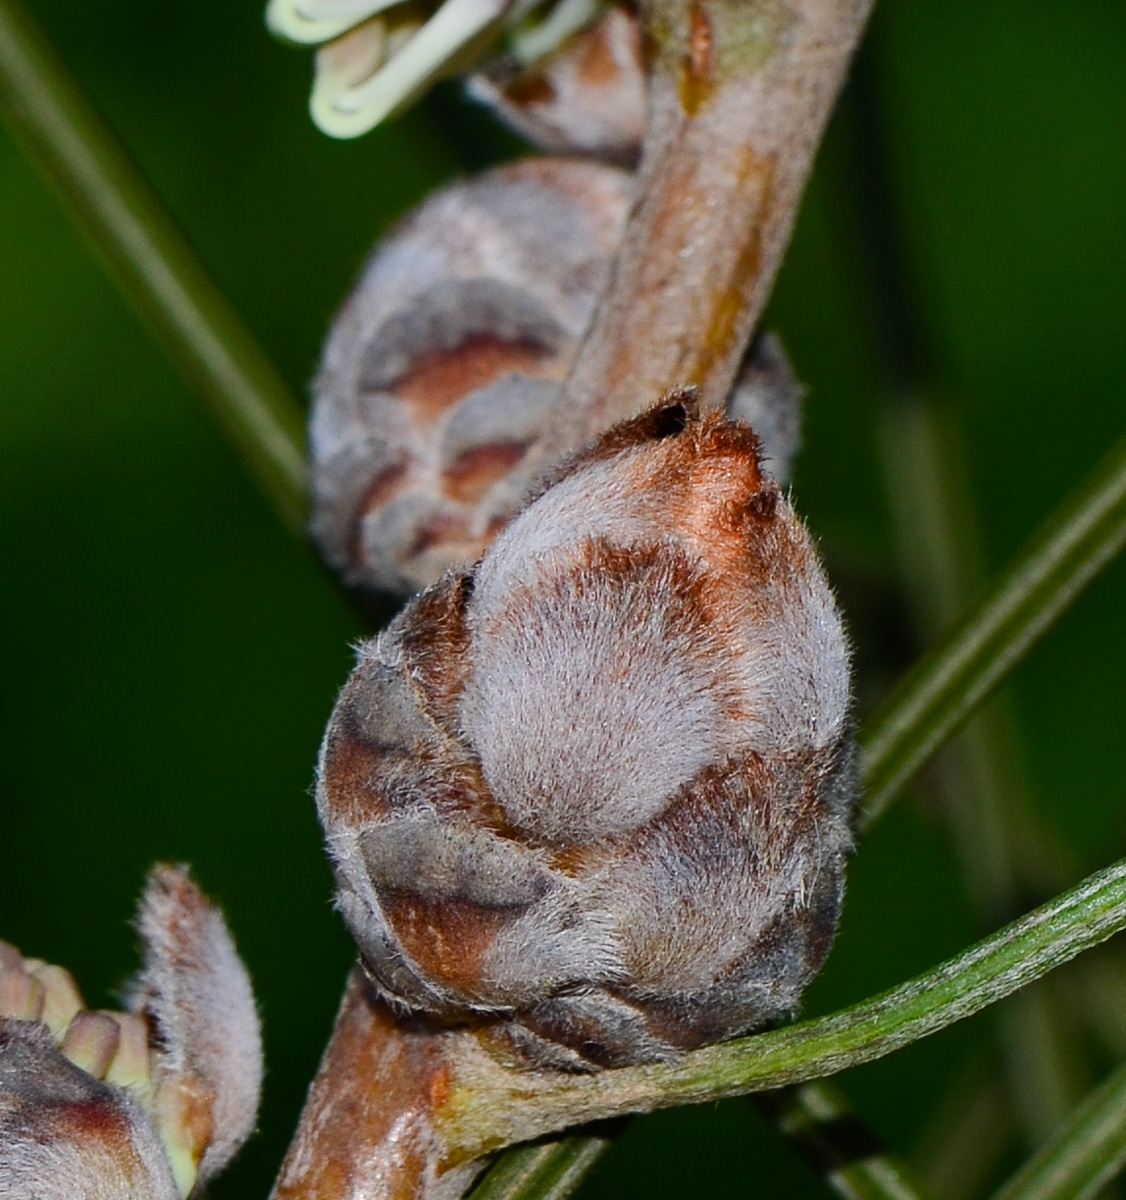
(21, 995)
(458, 28)
(132, 1065)
(350, 60)
(62, 1000)
(535, 38)
(91, 1042)
(309, 22)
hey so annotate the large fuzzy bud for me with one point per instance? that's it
(596, 790)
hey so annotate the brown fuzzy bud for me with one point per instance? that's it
(587, 96)
(768, 397)
(596, 790)
(141, 1103)
(67, 1135)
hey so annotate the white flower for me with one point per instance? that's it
(376, 56)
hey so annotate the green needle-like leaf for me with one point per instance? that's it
(149, 258)
(949, 683)
(491, 1106)
(1085, 1153)
(545, 1170)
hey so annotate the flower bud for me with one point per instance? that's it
(381, 55)
(442, 367)
(596, 790)
(768, 397)
(588, 96)
(65, 1134)
(142, 1103)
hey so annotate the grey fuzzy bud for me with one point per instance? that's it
(443, 368)
(440, 371)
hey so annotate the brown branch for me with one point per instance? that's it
(367, 1128)
(739, 95)
(740, 91)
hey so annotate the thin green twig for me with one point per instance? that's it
(491, 1107)
(835, 1142)
(816, 1118)
(935, 698)
(1084, 1153)
(546, 1170)
(994, 968)
(978, 778)
(149, 258)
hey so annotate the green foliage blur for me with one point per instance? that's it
(169, 654)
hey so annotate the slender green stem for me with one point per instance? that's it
(492, 1107)
(1084, 1153)
(545, 1170)
(150, 259)
(816, 1117)
(827, 1133)
(978, 779)
(937, 696)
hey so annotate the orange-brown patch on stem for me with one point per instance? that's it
(735, 292)
(368, 1127)
(697, 64)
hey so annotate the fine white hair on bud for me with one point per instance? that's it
(596, 790)
(195, 992)
(143, 1103)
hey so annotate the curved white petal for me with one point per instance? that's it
(342, 110)
(313, 21)
(531, 43)
(350, 60)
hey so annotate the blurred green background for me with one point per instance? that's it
(170, 655)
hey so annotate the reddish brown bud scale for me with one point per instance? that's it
(586, 97)
(596, 790)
